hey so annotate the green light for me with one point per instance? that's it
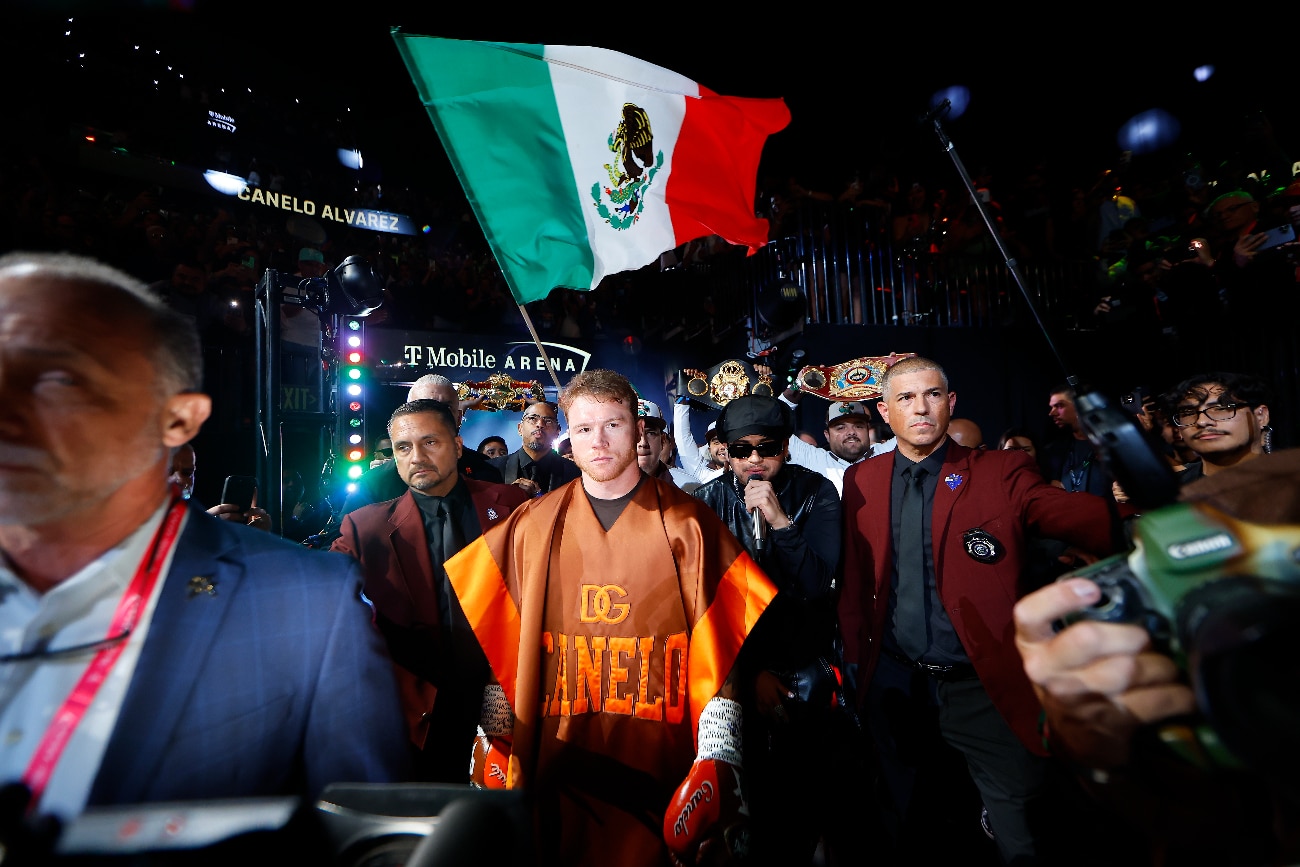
(354, 324)
(354, 471)
(354, 373)
(354, 422)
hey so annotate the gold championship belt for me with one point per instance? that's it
(501, 392)
(857, 379)
(721, 384)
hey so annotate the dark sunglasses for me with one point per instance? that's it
(388, 453)
(765, 449)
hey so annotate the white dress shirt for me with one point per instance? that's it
(79, 610)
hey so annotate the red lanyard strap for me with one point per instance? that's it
(129, 609)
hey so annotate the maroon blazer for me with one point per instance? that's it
(1000, 492)
(388, 540)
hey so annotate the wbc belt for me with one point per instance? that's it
(856, 379)
(719, 385)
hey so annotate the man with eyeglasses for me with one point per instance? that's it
(797, 543)
(150, 652)
(934, 558)
(535, 467)
(1222, 417)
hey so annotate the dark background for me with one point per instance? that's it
(305, 80)
(855, 79)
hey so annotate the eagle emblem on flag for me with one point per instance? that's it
(632, 173)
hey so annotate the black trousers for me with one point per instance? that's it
(913, 718)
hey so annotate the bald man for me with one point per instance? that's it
(966, 433)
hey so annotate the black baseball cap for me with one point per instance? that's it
(755, 414)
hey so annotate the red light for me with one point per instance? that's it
(355, 454)
(354, 358)
(355, 406)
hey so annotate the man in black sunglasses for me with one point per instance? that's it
(1222, 417)
(796, 541)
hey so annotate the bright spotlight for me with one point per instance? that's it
(224, 182)
(1149, 131)
(351, 158)
(959, 97)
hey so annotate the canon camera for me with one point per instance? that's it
(1221, 597)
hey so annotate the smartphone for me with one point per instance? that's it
(239, 490)
(1277, 235)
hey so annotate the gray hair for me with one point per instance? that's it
(428, 381)
(172, 336)
(915, 364)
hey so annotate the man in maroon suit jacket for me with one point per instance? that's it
(401, 545)
(928, 595)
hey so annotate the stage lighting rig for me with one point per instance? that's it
(351, 289)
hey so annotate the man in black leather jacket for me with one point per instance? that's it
(798, 546)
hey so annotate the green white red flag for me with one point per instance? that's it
(581, 162)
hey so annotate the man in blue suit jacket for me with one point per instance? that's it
(149, 651)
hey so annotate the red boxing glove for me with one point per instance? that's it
(709, 803)
(490, 763)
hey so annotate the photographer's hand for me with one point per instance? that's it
(1098, 682)
(1246, 248)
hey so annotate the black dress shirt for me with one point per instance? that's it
(945, 646)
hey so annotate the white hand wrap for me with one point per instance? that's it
(719, 736)
(496, 719)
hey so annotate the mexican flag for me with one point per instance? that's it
(581, 162)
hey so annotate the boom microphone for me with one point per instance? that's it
(935, 112)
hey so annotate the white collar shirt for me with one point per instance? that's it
(79, 610)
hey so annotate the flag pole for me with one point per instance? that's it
(540, 348)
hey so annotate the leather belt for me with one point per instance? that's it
(946, 673)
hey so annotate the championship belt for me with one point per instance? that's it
(500, 392)
(857, 379)
(721, 384)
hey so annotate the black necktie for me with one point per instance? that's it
(910, 625)
(443, 545)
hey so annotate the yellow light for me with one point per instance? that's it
(354, 455)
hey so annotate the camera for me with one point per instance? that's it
(1134, 400)
(1221, 596)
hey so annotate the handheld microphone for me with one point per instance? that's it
(760, 528)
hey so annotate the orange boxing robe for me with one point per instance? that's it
(608, 645)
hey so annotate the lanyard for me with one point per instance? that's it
(125, 618)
